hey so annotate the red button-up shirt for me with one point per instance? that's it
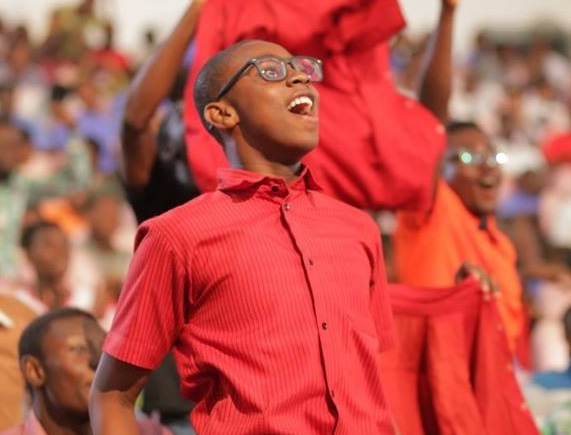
(274, 299)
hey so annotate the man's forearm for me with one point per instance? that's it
(115, 389)
(436, 82)
(157, 76)
(111, 414)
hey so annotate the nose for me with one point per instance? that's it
(296, 77)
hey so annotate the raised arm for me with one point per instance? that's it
(113, 395)
(435, 85)
(149, 88)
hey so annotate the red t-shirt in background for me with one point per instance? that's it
(274, 299)
(378, 149)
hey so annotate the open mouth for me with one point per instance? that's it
(302, 105)
(488, 184)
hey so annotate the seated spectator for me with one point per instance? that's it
(59, 352)
(56, 281)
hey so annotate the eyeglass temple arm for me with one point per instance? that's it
(232, 81)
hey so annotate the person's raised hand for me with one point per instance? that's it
(488, 285)
(450, 4)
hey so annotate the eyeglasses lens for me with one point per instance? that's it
(275, 69)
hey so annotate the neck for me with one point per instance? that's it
(49, 281)
(57, 421)
(101, 242)
(483, 224)
(253, 161)
(52, 292)
(288, 173)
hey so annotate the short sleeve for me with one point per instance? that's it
(152, 305)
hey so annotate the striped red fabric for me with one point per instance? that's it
(274, 298)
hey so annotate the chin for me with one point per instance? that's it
(483, 210)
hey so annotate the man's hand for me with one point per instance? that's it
(489, 286)
(449, 4)
(200, 3)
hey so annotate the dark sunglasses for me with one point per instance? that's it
(274, 69)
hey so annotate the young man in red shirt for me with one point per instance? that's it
(272, 294)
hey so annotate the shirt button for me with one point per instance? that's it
(324, 325)
(523, 406)
(311, 263)
(440, 129)
(332, 393)
(287, 207)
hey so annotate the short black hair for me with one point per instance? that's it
(30, 342)
(32, 337)
(455, 126)
(210, 79)
(30, 231)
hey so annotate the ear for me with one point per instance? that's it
(33, 371)
(449, 170)
(221, 115)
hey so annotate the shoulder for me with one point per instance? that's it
(190, 218)
(348, 215)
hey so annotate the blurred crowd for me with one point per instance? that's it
(65, 228)
(66, 231)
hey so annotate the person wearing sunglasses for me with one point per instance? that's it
(461, 226)
(271, 293)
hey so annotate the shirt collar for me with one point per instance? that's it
(238, 179)
(32, 425)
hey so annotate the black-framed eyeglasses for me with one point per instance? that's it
(274, 69)
(472, 158)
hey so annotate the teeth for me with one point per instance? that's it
(300, 100)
